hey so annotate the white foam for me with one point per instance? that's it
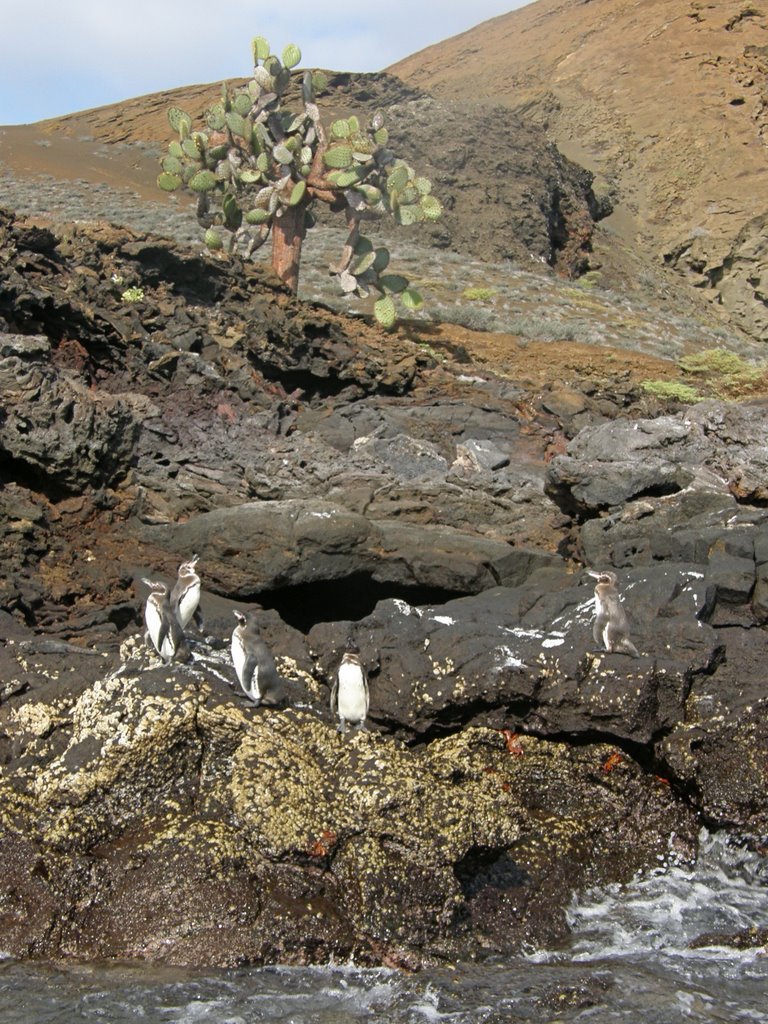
(726, 891)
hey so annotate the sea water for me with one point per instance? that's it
(628, 960)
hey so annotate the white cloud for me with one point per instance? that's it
(63, 57)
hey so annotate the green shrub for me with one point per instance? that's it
(725, 373)
(671, 389)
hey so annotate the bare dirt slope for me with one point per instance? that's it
(541, 208)
(664, 99)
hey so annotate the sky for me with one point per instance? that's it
(61, 56)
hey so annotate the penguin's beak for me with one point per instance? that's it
(593, 574)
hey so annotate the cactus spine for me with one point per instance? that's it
(258, 169)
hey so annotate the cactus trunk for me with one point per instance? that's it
(288, 233)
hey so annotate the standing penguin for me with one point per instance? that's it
(349, 695)
(253, 661)
(163, 628)
(611, 627)
(185, 596)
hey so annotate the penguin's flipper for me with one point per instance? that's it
(197, 618)
(163, 634)
(334, 696)
(597, 633)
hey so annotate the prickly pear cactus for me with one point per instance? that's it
(257, 168)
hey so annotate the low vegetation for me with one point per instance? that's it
(725, 373)
(716, 373)
(673, 390)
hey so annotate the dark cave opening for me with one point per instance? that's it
(482, 868)
(303, 605)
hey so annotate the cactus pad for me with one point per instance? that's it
(319, 82)
(431, 208)
(385, 312)
(175, 117)
(172, 165)
(257, 216)
(340, 129)
(260, 48)
(398, 178)
(363, 263)
(297, 193)
(237, 124)
(411, 299)
(263, 79)
(394, 283)
(282, 154)
(291, 55)
(407, 215)
(338, 156)
(169, 182)
(382, 259)
(243, 104)
(203, 181)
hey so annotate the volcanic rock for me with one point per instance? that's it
(345, 482)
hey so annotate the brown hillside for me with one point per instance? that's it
(666, 100)
(540, 211)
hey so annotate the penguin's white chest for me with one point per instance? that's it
(153, 616)
(187, 606)
(246, 669)
(352, 694)
(238, 656)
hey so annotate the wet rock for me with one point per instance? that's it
(749, 938)
(525, 656)
(217, 833)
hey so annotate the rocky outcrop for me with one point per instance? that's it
(55, 427)
(713, 448)
(516, 199)
(732, 271)
(713, 528)
(347, 482)
(155, 817)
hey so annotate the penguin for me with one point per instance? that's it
(349, 695)
(611, 627)
(163, 628)
(185, 596)
(253, 661)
